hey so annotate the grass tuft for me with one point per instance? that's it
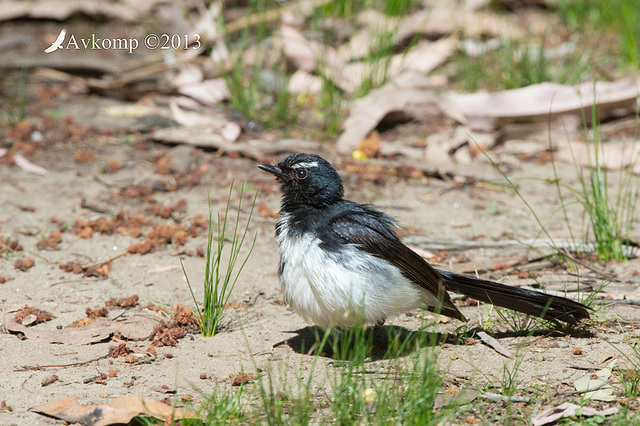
(609, 215)
(615, 18)
(15, 102)
(512, 64)
(218, 281)
(259, 91)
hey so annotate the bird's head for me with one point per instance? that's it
(306, 179)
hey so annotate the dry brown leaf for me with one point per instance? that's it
(202, 135)
(231, 131)
(541, 102)
(612, 155)
(136, 327)
(423, 57)
(119, 411)
(208, 137)
(458, 397)
(495, 344)
(188, 74)
(567, 410)
(299, 51)
(208, 26)
(409, 95)
(126, 10)
(28, 166)
(191, 118)
(208, 92)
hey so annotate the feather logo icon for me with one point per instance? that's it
(58, 43)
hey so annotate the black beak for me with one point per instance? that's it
(274, 170)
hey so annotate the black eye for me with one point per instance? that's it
(301, 174)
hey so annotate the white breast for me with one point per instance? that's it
(328, 288)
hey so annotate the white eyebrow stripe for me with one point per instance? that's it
(305, 165)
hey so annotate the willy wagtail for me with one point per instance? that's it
(342, 262)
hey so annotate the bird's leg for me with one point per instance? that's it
(377, 329)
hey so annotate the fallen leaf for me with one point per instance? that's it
(541, 102)
(597, 386)
(422, 59)
(493, 343)
(137, 327)
(611, 155)
(191, 118)
(458, 397)
(231, 131)
(299, 51)
(410, 96)
(208, 92)
(567, 409)
(118, 411)
(188, 74)
(202, 135)
(28, 166)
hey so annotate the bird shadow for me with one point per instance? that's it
(374, 343)
(386, 342)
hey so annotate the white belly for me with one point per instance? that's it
(330, 289)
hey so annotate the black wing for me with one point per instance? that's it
(373, 231)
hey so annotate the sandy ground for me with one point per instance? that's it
(259, 330)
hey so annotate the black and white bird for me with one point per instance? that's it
(342, 262)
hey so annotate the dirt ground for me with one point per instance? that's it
(258, 327)
(97, 244)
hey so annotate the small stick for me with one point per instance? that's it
(601, 274)
(102, 262)
(634, 302)
(73, 364)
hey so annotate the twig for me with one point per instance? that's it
(65, 282)
(95, 208)
(634, 302)
(601, 274)
(73, 364)
(102, 262)
(497, 397)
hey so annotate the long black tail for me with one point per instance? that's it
(541, 305)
